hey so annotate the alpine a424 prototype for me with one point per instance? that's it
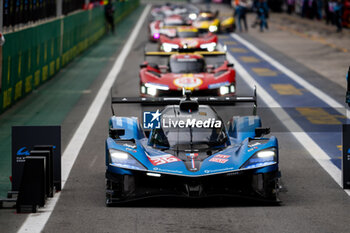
(189, 153)
(204, 73)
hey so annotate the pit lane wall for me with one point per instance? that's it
(34, 55)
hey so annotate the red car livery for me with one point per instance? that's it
(166, 26)
(202, 72)
(188, 38)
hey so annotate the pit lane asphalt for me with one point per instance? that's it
(313, 202)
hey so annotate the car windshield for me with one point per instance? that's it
(173, 23)
(182, 130)
(187, 65)
(188, 138)
(187, 34)
(205, 18)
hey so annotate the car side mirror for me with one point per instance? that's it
(115, 133)
(147, 133)
(261, 131)
(143, 66)
(230, 65)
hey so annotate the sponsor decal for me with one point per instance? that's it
(188, 82)
(130, 149)
(218, 170)
(254, 144)
(251, 149)
(163, 159)
(130, 146)
(218, 160)
(218, 85)
(222, 156)
(190, 43)
(166, 170)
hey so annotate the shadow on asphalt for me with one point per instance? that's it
(217, 202)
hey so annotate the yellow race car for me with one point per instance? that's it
(210, 22)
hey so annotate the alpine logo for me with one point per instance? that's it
(23, 152)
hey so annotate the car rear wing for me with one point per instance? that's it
(203, 53)
(212, 101)
(215, 57)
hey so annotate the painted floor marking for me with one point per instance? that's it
(264, 72)
(286, 89)
(238, 50)
(249, 59)
(303, 138)
(311, 88)
(318, 116)
(326, 141)
(36, 222)
(230, 42)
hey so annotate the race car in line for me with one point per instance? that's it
(187, 11)
(188, 38)
(167, 27)
(189, 153)
(209, 22)
(204, 73)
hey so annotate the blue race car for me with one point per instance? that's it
(190, 153)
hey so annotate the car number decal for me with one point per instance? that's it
(188, 82)
(163, 159)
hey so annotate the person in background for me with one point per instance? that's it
(263, 14)
(207, 3)
(327, 12)
(2, 39)
(347, 98)
(109, 15)
(290, 6)
(241, 12)
(319, 9)
(2, 42)
(338, 13)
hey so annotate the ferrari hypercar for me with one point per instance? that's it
(190, 153)
(187, 11)
(204, 73)
(188, 38)
(208, 21)
(167, 27)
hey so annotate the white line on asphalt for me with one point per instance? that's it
(308, 86)
(303, 138)
(36, 222)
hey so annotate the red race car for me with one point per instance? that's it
(188, 38)
(166, 26)
(205, 73)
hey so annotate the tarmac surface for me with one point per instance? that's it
(311, 200)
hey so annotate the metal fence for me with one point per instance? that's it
(32, 56)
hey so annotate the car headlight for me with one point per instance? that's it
(213, 28)
(124, 160)
(168, 47)
(262, 158)
(157, 86)
(193, 16)
(208, 46)
(152, 88)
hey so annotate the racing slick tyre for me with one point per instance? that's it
(267, 186)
